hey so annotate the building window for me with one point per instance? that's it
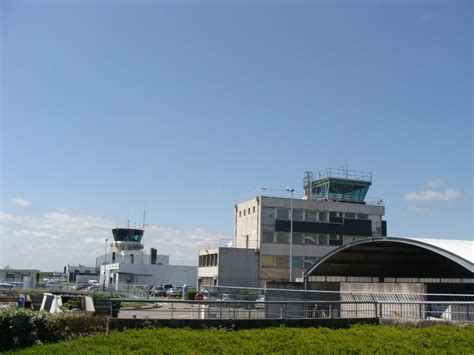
(309, 261)
(297, 238)
(297, 215)
(132, 258)
(335, 239)
(283, 213)
(350, 215)
(362, 216)
(267, 237)
(298, 261)
(240, 213)
(253, 209)
(311, 216)
(244, 211)
(282, 237)
(333, 214)
(267, 261)
(323, 239)
(282, 261)
(323, 216)
(311, 239)
(249, 210)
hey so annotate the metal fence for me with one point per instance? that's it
(178, 309)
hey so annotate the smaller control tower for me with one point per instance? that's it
(127, 239)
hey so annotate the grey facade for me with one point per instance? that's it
(228, 267)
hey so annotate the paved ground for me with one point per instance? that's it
(161, 311)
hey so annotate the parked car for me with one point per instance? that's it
(158, 291)
(81, 286)
(175, 291)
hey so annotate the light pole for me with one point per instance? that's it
(105, 263)
(291, 190)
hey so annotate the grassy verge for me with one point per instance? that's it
(357, 339)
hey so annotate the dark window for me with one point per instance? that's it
(335, 239)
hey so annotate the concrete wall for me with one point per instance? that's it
(383, 292)
(238, 267)
(19, 275)
(139, 257)
(147, 274)
(246, 234)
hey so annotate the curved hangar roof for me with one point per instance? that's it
(396, 257)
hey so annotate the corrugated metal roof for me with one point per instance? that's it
(462, 248)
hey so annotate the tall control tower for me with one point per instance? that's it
(341, 185)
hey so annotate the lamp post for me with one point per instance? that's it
(105, 263)
(291, 190)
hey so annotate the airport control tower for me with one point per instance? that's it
(340, 185)
(126, 240)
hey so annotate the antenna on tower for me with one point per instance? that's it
(144, 218)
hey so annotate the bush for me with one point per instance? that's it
(22, 327)
(190, 294)
(355, 340)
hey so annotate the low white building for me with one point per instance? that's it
(127, 263)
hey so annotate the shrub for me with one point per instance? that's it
(355, 340)
(190, 294)
(23, 327)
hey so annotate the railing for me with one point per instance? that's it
(178, 309)
(341, 173)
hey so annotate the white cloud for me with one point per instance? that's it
(434, 183)
(432, 195)
(65, 237)
(418, 210)
(18, 201)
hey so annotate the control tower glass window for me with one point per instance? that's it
(127, 235)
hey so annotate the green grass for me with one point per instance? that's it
(357, 339)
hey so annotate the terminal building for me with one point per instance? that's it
(127, 263)
(334, 211)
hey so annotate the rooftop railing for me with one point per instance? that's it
(341, 173)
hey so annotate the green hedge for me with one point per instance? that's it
(355, 340)
(21, 328)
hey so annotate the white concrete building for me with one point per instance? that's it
(127, 263)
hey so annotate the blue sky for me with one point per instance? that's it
(111, 107)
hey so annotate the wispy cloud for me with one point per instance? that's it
(434, 183)
(18, 201)
(65, 237)
(419, 210)
(432, 195)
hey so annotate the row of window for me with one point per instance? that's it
(309, 215)
(246, 211)
(302, 238)
(282, 261)
(208, 260)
